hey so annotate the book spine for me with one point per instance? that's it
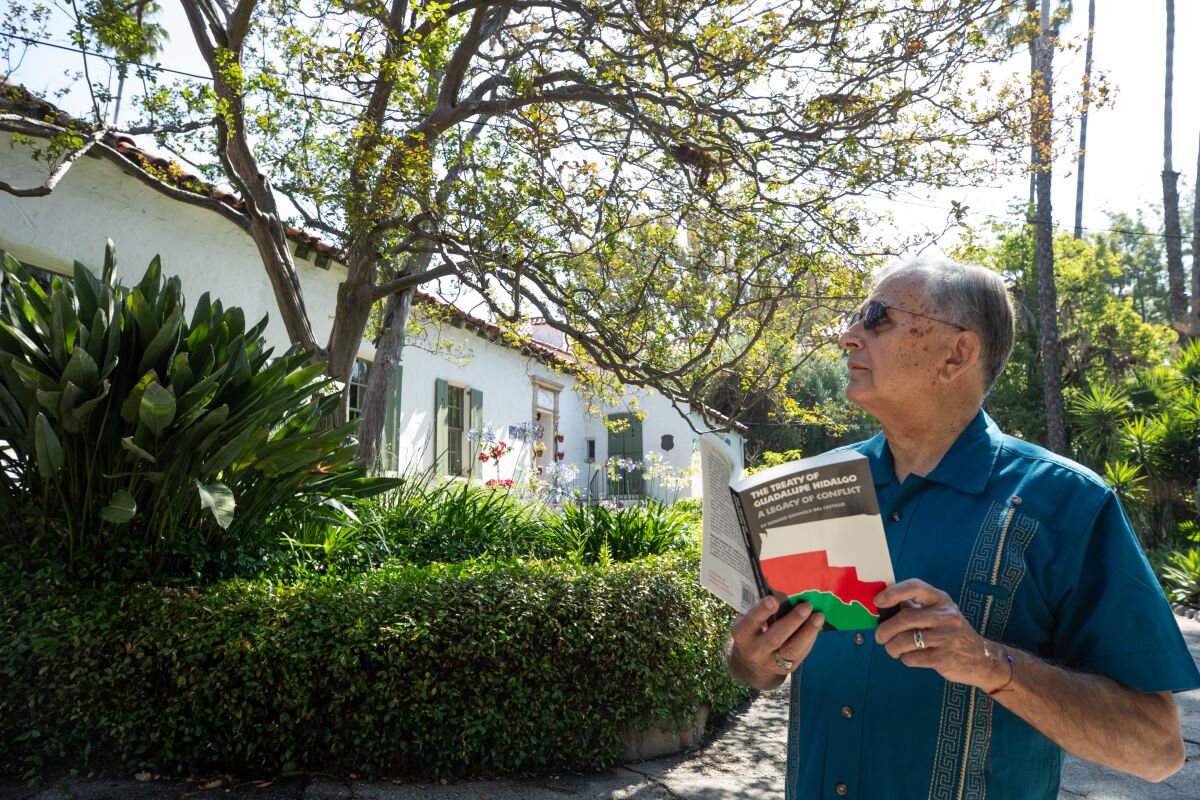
(763, 588)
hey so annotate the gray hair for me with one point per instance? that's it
(971, 296)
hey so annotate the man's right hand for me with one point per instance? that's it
(753, 643)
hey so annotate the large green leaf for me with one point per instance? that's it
(133, 403)
(217, 498)
(47, 447)
(157, 409)
(128, 443)
(82, 371)
(162, 348)
(120, 509)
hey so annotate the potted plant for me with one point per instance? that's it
(539, 449)
(559, 437)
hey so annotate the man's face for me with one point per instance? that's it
(894, 367)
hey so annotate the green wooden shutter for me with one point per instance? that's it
(441, 438)
(476, 424)
(627, 443)
(390, 457)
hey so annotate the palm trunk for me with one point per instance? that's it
(1177, 301)
(1195, 319)
(1043, 109)
(1083, 120)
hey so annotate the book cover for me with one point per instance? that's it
(809, 531)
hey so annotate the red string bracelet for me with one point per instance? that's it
(1012, 671)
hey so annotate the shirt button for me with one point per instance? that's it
(894, 516)
(842, 789)
(847, 712)
(859, 638)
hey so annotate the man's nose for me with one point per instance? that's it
(851, 338)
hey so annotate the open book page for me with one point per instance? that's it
(725, 568)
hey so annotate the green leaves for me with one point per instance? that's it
(157, 408)
(217, 499)
(525, 667)
(49, 450)
(136, 436)
(120, 509)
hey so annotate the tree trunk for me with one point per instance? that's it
(242, 169)
(1195, 320)
(352, 312)
(1176, 300)
(388, 355)
(1083, 120)
(1043, 110)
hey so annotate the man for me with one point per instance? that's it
(1029, 621)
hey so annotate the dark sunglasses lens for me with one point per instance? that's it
(875, 314)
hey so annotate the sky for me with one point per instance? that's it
(1124, 158)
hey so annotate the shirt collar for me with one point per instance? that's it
(966, 466)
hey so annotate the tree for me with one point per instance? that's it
(524, 150)
(1083, 119)
(1194, 327)
(1104, 337)
(1170, 179)
(1041, 136)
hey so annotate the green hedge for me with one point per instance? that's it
(440, 671)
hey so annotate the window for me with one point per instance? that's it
(457, 410)
(357, 388)
(591, 450)
(455, 430)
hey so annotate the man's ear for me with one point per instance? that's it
(961, 357)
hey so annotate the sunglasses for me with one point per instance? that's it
(875, 313)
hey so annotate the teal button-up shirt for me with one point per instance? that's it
(1037, 553)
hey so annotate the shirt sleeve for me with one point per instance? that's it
(1115, 620)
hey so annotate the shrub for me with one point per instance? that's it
(1179, 573)
(440, 671)
(154, 446)
(594, 533)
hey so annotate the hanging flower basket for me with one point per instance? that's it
(559, 437)
(560, 455)
(539, 449)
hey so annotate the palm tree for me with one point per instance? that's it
(1041, 131)
(1083, 120)
(1177, 301)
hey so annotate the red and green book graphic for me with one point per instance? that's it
(838, 565)
(846, 601)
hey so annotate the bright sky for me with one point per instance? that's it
(1124, 158)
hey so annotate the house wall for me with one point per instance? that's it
(97, 201)
(507, 378)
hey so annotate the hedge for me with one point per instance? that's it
(432, 672)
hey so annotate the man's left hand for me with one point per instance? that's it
(951, 645)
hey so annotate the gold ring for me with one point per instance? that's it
(785, 664)
(918, 639)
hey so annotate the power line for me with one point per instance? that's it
(309, 96)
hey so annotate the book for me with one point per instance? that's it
(805, 531)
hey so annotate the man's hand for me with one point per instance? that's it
(1088, 715)
(951, 645)
(754, 643)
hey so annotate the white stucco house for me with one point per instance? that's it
(457, 377)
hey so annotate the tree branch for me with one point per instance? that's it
(410, 280)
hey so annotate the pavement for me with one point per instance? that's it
(744, 760)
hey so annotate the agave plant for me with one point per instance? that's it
(153, 444)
